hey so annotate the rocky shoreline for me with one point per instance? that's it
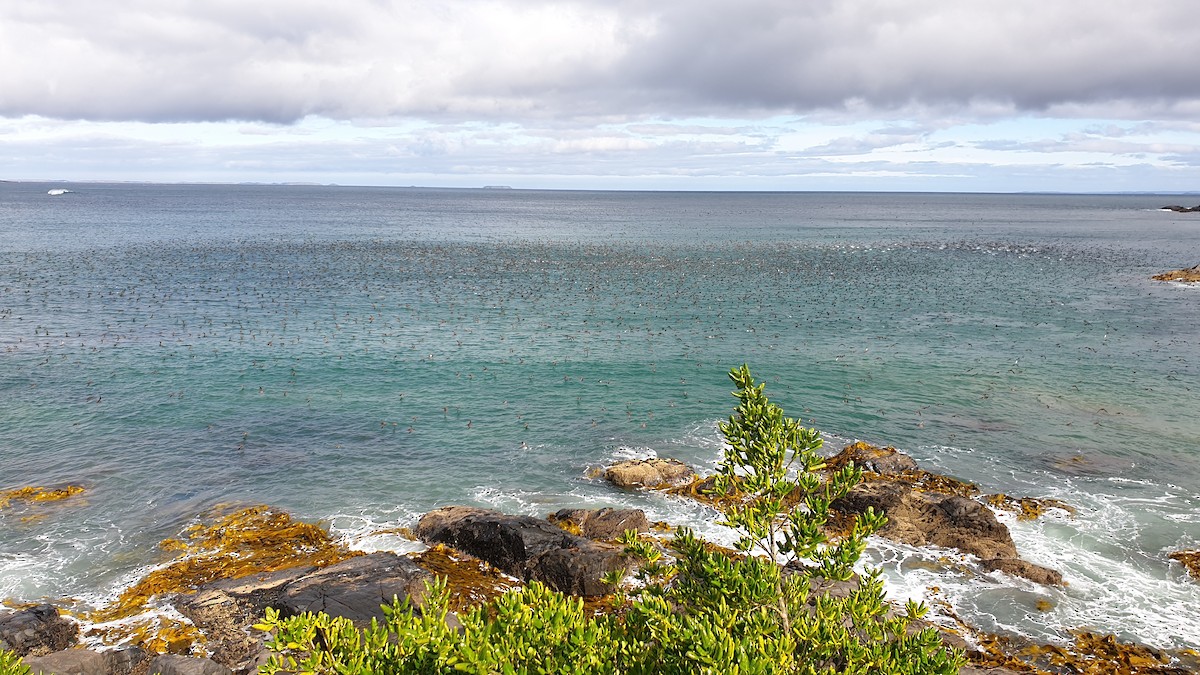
(241, 562)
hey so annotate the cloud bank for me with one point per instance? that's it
(280, 61)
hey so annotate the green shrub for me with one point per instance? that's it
(11, 664)
(704, 612)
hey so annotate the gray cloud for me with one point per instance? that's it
(281, 60)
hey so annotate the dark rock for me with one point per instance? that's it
(36, 631)
(1182, 209)
(86, 662)
(525, 547)
(603, 524)
(356, 588)
(645, 473)
(170, 664)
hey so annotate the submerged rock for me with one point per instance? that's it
(36, 631)
(525, 547)
(649, 473)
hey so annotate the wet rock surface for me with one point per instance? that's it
(525, 547)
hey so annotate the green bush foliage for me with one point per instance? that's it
(704, 611)
(11, 664)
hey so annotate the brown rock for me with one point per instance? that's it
(885, 461)
(928, 518)
(1190, 561)
(647, 473)
(1023, 568)
(1191, 274)
(603, 524)
(525, 547)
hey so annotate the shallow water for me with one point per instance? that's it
(364, 355)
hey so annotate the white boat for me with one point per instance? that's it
(57, 191)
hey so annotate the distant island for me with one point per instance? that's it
(509, 187)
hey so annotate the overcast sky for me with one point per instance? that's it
(955, 95)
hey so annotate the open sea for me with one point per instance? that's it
(362, 355)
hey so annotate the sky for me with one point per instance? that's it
(892, 95)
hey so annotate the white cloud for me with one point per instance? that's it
(280, 60)
(773, 94)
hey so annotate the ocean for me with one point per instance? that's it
(360, 356)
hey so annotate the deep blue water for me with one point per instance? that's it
(362, 355)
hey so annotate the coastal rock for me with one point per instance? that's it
(36, 631)
(86, 662)
(525, 547)
(884, 461)
(1190, 561)
(223, 609)
(602, 524)
(170, 664)
(647, 473)
(1191, 274)
(1023, 568)
(356, 588)
(1182, 209)
(923, 518)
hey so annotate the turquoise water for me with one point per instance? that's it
(364, 355)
